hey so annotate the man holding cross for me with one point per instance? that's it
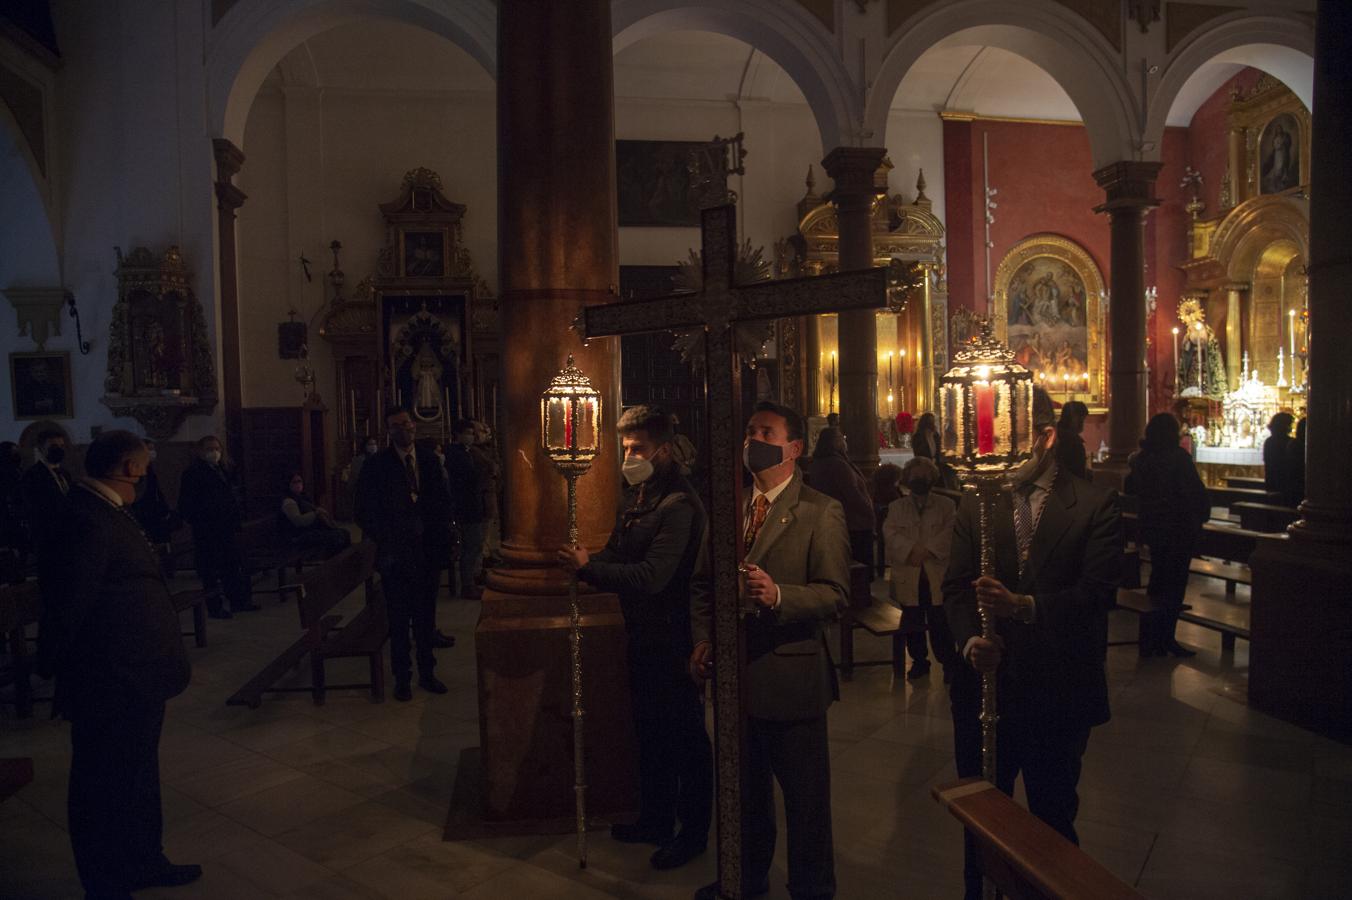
(796, 577)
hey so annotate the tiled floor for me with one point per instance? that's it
(1186, 793)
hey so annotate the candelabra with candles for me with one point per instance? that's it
(570, 434)
(988, 398)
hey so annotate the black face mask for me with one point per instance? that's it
(55, 455)
(919, 486)
(758, 456)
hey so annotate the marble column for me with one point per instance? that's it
(853, 170)
(557, 253)
(229, 199)
(1301, 610)
(1130, 189)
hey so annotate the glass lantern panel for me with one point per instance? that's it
(828, 363)
(556, 437)
(984, 408)
(951, 418)
(587, 438)
(1003, 414)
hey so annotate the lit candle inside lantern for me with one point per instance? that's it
(833, 381)
(568, 425)
(985, 417)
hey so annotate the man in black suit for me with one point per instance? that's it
(110, 629)
(649, 561)
(208, 500)
(404, 506)
(467, 496)
(43, 488)
(796, 574)
(1058, 559)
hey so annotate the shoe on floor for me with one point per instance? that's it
(677, 853)
(710, 891)
(1178, 650)
(402, 692)
(430, 684)
(918, 670)
(167, 875)
(640, 833)
(442, 641)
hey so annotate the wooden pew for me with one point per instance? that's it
(323, 637)
(1025, 858)
(1245, 481)
(877, 616)
(1229, 496)
(1265, 517)
(267, 549)
(195, 600)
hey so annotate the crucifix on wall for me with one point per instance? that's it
(717, 308)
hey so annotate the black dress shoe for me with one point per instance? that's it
(402, 691)
(167, 875)
(918, 670)
(640, 833)
(710, 891)
(677, 853)
(1178, 650)
(430, 684)
(442, 641)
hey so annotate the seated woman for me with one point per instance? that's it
(307, 526)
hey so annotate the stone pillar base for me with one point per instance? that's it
(1301, 621)
(526, 706)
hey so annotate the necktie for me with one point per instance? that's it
(61, 481)
(411, 473)
(1023, 522)
(758, 512)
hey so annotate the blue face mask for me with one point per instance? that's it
(758, 456)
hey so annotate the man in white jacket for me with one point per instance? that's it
(917, 532)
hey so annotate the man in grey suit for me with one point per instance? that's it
(796, 578)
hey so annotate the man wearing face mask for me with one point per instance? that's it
(917, 532)
(649, 561)
(208, 500)
(112, 636)
(1058, 559)
(467, 500)
(43, 488)
(796, 574)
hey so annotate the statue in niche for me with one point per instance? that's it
(1201, 367)
(157, 356)
(428, 369)
(425, 355)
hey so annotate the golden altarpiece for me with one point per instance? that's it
(912, 330)
(1247, 272)
(421, 334)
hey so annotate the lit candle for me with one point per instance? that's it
(833, 381)
(889, 370)
(1291, 331)
(568, 425)
(1175, 353)
(1065, 385)
(985, 417)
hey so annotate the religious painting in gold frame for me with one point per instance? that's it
(424, 252)
(1049, 309)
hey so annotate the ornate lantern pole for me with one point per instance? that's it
(987, 402)
(570, 434)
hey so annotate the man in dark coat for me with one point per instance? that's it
(467, 503)
(112, 636)
(43, 489)
(404, 506)
(649, 561)
(1058, 560)
(797, 579)
(208, 500)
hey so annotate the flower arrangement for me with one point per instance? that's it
(905, 423)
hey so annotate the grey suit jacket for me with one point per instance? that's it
(805, 548)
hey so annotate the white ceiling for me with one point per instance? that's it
(691, 65)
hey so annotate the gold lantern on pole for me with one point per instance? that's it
(570, 434)
(987, 404)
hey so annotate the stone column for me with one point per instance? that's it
(557, 253)
(1301, 612)
(1234, 333)
(1130, 187)
(852, 169)
(229, 199)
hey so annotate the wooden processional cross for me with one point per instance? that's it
(717, 308)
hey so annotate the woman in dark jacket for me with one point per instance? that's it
(307, 526)
(1070, 453)
(1173, 507)
(1277, 454)
(927, 443)
(835, 476)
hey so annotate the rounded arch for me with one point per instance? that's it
(785, 32)
(256, 34)
(1253, 226)
(1283, 46)
(1047, 34)
(28, 237)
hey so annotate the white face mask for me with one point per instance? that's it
(213, 457)
(152, 455)
(636, 470)
(372, 449)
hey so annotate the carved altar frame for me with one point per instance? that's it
(1063, 250)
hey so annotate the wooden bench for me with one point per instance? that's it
(323, 637)
(1025, 858)
(1233, 574)
(877, 616)
(1245, 481)
(267, 549)
(1269, 518)
(197, 601)
(1228, 630)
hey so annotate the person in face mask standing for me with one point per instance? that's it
(796, 574)
(43, 488)
(1058, 560)
(649, 561)
(467, 503)
(917, 533)
(208, 500)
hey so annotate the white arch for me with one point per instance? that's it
(28, 236)
(256, 34)
(1283, 46)
(1047, 34)
(785, 32)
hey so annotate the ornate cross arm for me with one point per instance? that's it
(864, 289)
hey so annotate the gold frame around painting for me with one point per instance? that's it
(59, 358)
(1082, 264)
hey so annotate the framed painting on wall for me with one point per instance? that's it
(40, 386)
(654, 182)
(423, 252)
(1049, 310)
